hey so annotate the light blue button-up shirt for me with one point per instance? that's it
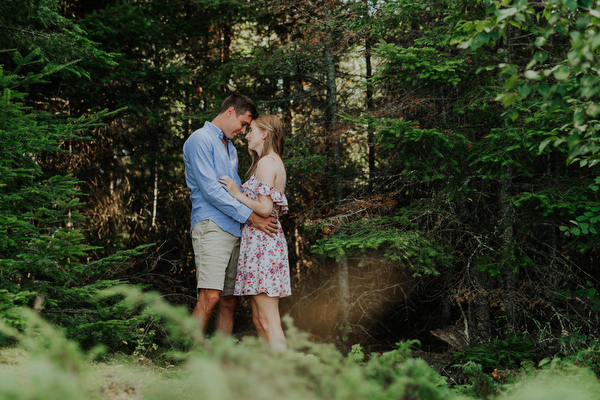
(206, 159)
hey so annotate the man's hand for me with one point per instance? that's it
(267, 225)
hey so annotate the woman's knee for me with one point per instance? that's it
(266, 323)
(258, 326)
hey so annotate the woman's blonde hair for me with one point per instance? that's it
(274, 140)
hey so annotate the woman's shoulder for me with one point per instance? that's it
(270, 164)
(269, 171)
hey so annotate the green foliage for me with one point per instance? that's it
(587, 294)
(587, 357)
(549, 204)
(8, 308)
(37, 27)
(220, 366)
(42, 245)
(379, 237)
(506, 148)
(588, 221)
(568, 83)
(481, 385)
(419, 66)
(57, 368)
(555, 380)
(499, 354)
(417, 153)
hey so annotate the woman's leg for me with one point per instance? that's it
(259, 329)
(268, 317)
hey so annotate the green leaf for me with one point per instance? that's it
(524, 90)
(540, 56)
(571, 5)
(545, 143)
(544, 89)
(574, 140)
(505, 13)
(593, 109)
(540, 41)
(562, 73)
(533, 75)
(508, 99)
(510, 82)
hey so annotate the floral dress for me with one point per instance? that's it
(263, 266)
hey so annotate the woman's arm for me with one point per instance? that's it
(263, 206)
(266, 172)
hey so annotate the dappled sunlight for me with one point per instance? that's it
(374, 287)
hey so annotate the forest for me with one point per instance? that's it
(444, 201)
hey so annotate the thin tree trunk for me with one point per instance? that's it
(332, 110)
(369, 101)
(226, 49)
(155, 201)
(344, 284)
(482, 307)
(332, 116)
(507, 221)
(510, 279)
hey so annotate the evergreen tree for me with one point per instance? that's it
(43, 252)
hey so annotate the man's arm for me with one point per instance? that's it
(206, 178)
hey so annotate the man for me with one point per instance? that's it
(217, 217)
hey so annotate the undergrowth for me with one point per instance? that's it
(50, 366)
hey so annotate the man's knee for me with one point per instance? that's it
(208, 297)
(228, 303)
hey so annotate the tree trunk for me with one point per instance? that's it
(332, 116)
(155, 193)
(507, 221)
(369, 104)
(482, 307)
(226, 42)
(344, 286)
(332, 110)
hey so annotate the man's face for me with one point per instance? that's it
(235, 124)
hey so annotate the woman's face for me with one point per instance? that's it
(255, 138)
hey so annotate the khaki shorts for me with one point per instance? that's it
(216, 254)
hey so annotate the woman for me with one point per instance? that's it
(263, 266)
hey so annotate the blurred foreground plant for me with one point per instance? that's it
(221, 367)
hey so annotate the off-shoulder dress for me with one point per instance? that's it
(263, 266)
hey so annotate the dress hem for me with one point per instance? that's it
(254, 294)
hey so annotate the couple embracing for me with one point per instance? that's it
(238, 242)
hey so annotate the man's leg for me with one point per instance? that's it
(207, 300)
(212, 252)
(228, 302)
(225, 312)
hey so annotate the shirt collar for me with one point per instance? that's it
(216, 131)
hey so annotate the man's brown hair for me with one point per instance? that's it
(241, 104)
